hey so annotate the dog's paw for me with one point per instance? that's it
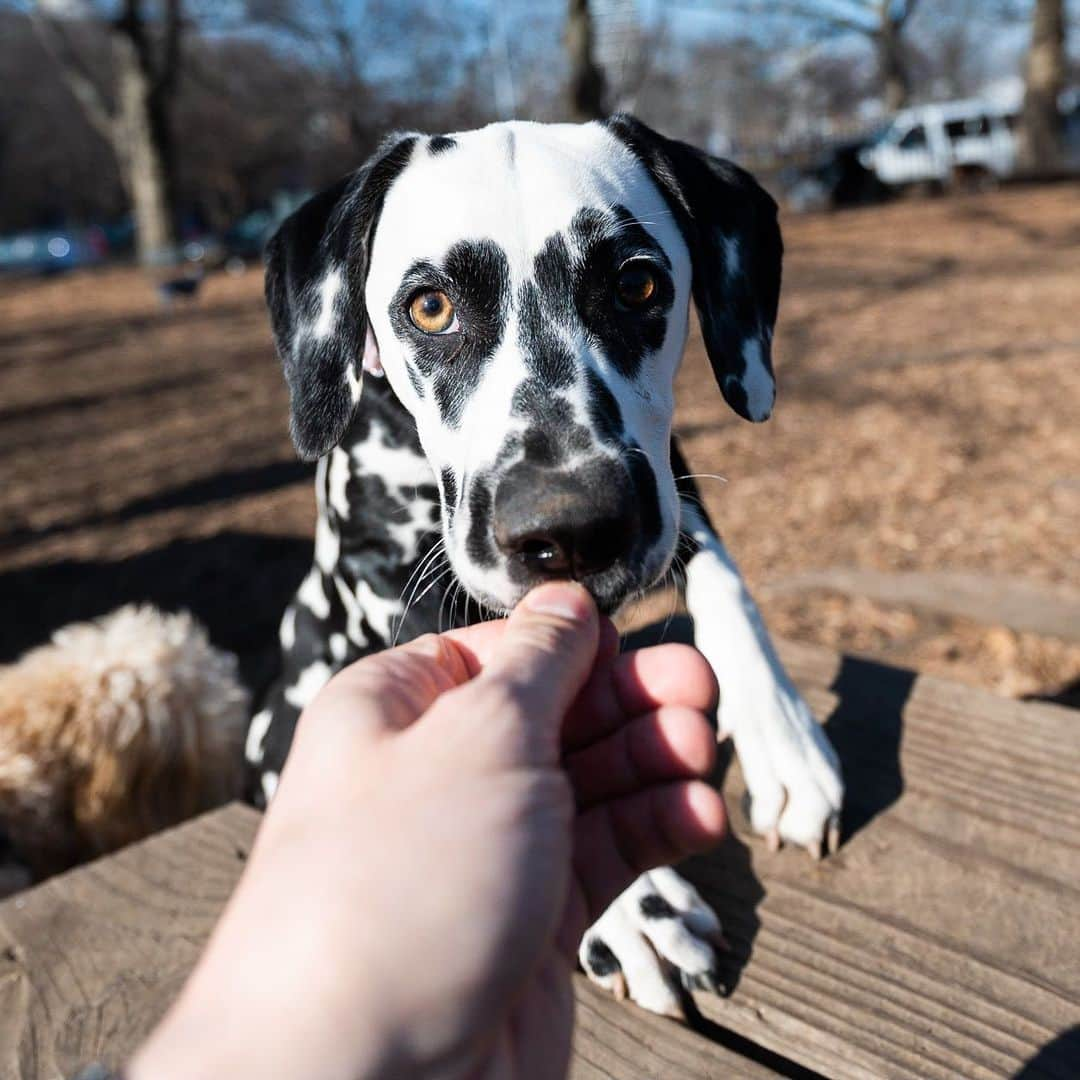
(659, 932)
(792, 773)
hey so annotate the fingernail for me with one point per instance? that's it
(565, 599)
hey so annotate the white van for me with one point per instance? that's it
(952, 141)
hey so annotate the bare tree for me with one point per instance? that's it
(135, 115)
(1040, 146)
(881, 22)
(586, 83)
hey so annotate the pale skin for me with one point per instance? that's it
(454, 814)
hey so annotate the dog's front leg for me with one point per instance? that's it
(791, 770)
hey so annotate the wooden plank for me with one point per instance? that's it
(940, 942)
(1025, 606)
(91, 960)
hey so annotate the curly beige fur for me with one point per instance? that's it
(115, 729)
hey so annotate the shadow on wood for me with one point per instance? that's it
(1058, 1060)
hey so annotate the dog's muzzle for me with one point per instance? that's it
(582, 524)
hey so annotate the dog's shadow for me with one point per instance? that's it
(237, 584)
(865, 727)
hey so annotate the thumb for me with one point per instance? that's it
(541, 662)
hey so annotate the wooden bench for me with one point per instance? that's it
(942, 941)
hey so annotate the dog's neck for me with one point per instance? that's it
(378, 527)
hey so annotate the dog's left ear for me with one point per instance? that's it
(728, 222)
(316, 272)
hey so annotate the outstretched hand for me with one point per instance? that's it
(453, 815)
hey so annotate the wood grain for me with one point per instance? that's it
(943, 940)
(940, 942)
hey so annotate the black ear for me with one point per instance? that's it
(728, 222)
(316, 271)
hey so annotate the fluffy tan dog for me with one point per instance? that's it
(115, 729)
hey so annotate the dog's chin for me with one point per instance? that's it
(610, 590)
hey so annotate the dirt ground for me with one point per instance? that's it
(927, 358)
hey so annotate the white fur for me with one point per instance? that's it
(756, 381)
(328, 292)
(312, 595)
(791, 770)
(312, 679)
(645, 946)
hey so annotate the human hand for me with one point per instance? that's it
(452, 816)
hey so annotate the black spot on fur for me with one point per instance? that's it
(439, 144)
(449, 484)
(478, 544)
(573, 282)
(713, 201)
(605, 241)
(543, 349)
(604, 411)
(476, 277)
(334, 230)
(600, 960)
(656, 907)
(644, 481)
(551, 414)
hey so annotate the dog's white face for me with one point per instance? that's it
(526, 290)
(529, 294)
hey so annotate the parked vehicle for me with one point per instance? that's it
(947, 143)
(51, 251)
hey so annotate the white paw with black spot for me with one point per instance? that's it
(657, 935)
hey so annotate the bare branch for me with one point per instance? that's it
(168, 67)
(86, 92)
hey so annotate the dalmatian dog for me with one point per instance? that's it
(514, 302)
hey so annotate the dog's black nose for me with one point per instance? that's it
(555, 524)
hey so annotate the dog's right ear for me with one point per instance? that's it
(316, 273)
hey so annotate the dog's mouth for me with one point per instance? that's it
(611, 589)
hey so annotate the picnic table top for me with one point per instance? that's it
(942, 941)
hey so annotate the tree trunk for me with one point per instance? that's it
(1040, 135)
(143, 142)
(892, 64)
(586, 89)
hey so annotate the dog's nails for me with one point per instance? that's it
(833, 837)
(814, 847)
(619, 987)
(772, 839)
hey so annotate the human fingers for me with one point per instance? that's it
(635, 683)
(532, 675)
(616, 841)
(670, 743)
(476, 644)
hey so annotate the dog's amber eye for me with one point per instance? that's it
(635, 286)
(432, 312)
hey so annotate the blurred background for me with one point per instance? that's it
(917, 495)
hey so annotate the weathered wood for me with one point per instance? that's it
(940, 942)
(1053, 610)
(91, 960)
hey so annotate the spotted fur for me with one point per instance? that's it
(530, 436)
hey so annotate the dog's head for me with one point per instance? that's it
(525, 288)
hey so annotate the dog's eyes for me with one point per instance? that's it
(635, 285)
(432, 312)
